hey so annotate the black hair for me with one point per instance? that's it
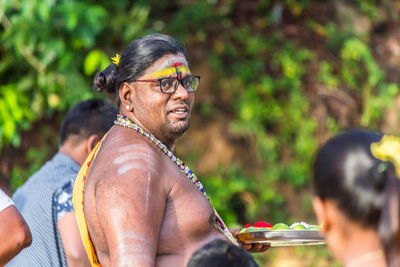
(346, 172)
(93, 116)
(135, 59)
(221, 253)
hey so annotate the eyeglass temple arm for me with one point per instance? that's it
(152, 80)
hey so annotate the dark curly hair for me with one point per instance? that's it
(93, 116)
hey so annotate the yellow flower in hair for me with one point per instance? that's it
(116, 59)
(388, 149)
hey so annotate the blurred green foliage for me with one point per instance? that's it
(265, 58)
(50, 50)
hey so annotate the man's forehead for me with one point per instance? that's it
(168, 65)
(172, 61)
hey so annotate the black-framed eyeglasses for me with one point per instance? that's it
(168, 85)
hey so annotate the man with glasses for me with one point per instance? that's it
(136, 203)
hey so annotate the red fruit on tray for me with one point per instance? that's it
(247, 226)
(262, 224)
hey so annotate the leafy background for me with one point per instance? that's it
(278, 79)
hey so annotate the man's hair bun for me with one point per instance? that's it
(105, 80)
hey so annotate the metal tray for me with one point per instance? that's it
(283, 238)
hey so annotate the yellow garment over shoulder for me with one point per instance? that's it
(79, 189)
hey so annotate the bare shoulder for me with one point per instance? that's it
(126, 157)
(126, 196)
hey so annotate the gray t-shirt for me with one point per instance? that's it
(35, 201)
(5, 201)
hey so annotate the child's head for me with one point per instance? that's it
(221, 253)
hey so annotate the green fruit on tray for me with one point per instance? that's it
(251, 229)
(280, 226)
(244, 230)
(299, 226)
(314, 227)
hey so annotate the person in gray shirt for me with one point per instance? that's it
(83, 127)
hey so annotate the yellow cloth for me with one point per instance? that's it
(79, 189)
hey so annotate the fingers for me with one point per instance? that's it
(255, 247)
(260, 247)
(265, 247)
(247, 247)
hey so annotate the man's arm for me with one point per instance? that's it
(71, 240)
(14, 234)
(67, 227)
(130, 210)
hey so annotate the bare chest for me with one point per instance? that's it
(188, 217)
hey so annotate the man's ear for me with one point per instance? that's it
(125, 95)
(91, 142)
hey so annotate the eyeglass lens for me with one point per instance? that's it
(169, 85)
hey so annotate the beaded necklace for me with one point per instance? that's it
(219, 223)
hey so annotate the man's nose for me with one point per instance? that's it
(181, 92)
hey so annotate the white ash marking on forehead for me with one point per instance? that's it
(170, 61)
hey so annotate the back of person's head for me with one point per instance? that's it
(86, 118)
(221, 253)
(135, 59)
(363, 187)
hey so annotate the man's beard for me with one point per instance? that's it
(175, 129)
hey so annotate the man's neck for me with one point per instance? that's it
(74, 152)
(169, 142)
